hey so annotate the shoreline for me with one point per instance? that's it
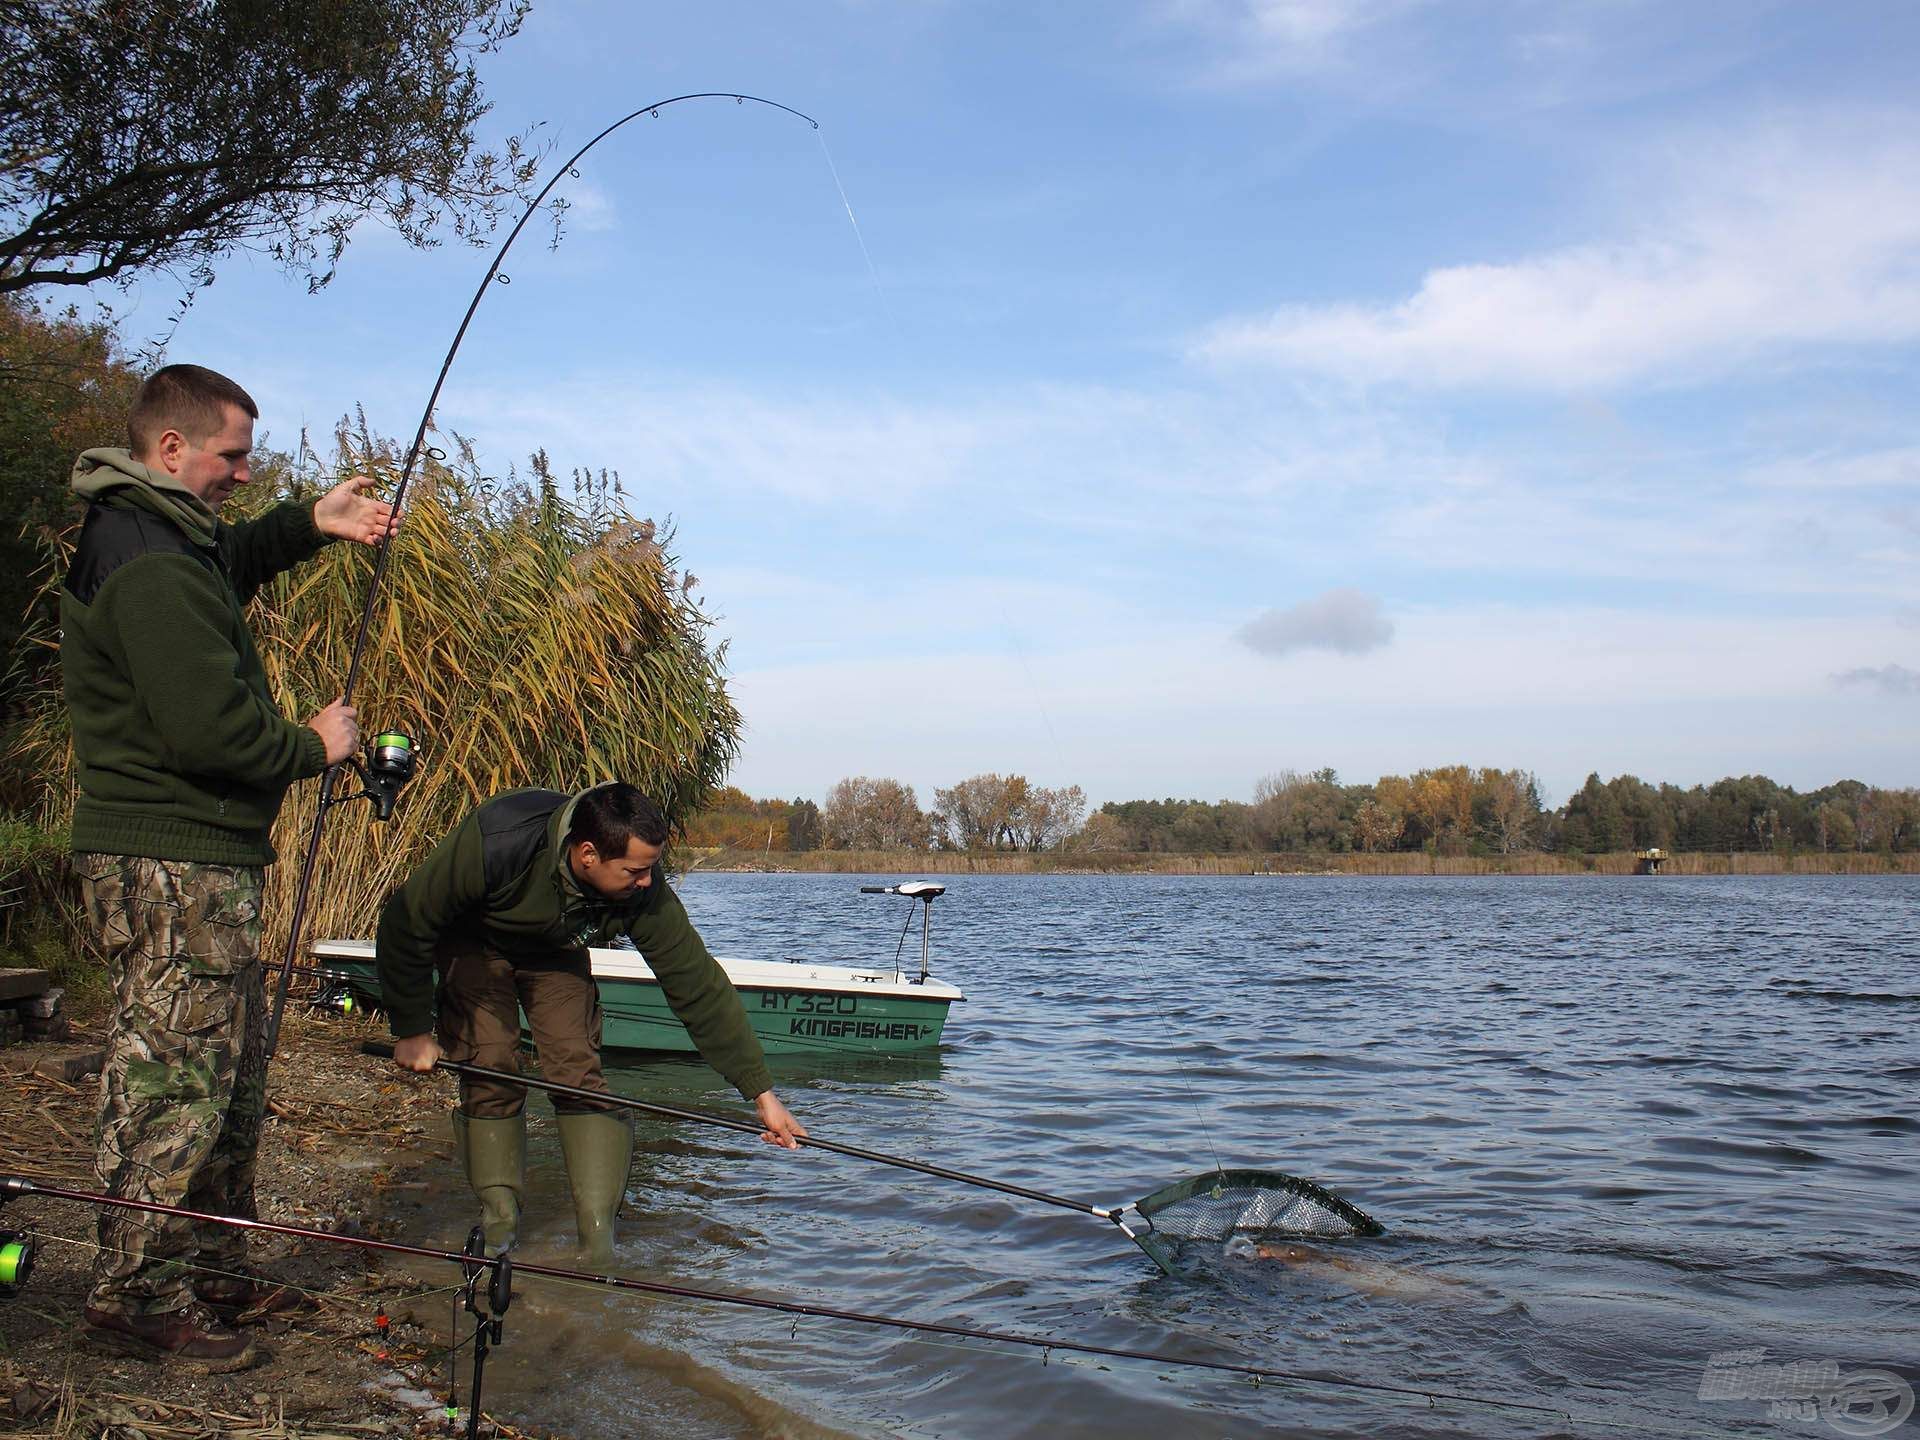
(344, 1139)
(1282, 864)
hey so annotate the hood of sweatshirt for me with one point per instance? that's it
(101, 473)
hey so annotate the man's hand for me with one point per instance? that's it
(416, 1053)
(780, 1127)
(338, 727)
(348, 512)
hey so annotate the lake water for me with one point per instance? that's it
(1616, 1128)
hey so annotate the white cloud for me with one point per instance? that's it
(1754, 249)
(1887, 679)
(589, 207)
(1483, 65)
(1237, 484)
(1297, 31)
(1895, 468)
(818, 449)
(1252, 42)
(1344, 621)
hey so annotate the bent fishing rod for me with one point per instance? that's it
(502, 1268)
(378, 791)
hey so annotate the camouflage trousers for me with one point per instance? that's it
(184, 1088)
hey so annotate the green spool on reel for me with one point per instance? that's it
(16, 1261)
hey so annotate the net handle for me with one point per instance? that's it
(752, 1127)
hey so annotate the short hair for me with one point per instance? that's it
(189, 398)
(610, 816)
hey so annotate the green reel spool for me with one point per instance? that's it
(16, 1260)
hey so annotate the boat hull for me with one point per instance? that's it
(794, 1008)
(788, 1022)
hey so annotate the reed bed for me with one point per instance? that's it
(521, 637)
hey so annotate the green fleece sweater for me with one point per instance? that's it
(179, 749)
(502, 877)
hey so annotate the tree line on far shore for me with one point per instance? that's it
(1448, 810)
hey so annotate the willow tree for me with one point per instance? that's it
(163, 134)
(523, 637)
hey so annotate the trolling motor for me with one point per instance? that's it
(926, 892)
(388, 766)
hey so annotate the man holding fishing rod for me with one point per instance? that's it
(182, 760)
(503, 910)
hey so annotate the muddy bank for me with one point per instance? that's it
(347, 1143)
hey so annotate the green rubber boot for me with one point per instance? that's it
(494, 1153)
(599, 1151)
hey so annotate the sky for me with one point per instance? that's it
(1155, 395)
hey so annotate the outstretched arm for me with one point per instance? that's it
(701, 996)
(258, 550)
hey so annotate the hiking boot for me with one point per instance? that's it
(249, 1296)
(193, 1335)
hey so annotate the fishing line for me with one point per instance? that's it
(383, 549)
(14, 1187)
(1199, 1118)
(833, 169)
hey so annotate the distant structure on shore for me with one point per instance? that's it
(1648, 862)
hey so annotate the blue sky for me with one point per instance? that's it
(1236, 385)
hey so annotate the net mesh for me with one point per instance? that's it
(1256, 1204)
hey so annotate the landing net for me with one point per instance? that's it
(1255, 1204)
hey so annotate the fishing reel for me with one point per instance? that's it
(384, 772)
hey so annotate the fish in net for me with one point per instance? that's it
(1253, 1204)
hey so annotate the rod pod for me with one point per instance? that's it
(488, 1319)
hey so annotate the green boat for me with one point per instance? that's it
(796, 1007)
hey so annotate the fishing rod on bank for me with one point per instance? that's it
(489, 1303)
(391, 758)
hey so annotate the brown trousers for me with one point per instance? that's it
(481, 998)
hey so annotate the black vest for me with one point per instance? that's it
(116, 534)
